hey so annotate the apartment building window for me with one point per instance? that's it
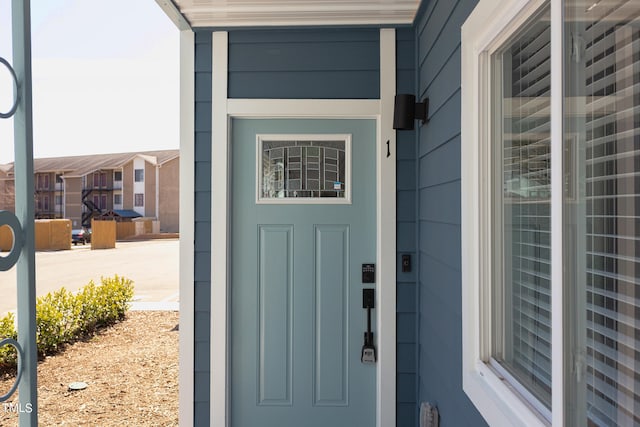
(550, 235)
(100, 180)
(58, 200)
(139, 175)
(117, 199)
(42, 203)
(58, 178)
(42, 182)
(138, 200)
(100, 201)
(117, 176)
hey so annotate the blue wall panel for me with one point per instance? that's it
(437, 33)
(317, 63)
(202, 258)
(406, 408)
(305, 63)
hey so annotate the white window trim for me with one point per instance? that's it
(346, 200)
(486, 29)
(223, 109)
(187, 228)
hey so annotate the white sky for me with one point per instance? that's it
(105, 77)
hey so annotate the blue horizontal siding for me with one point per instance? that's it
(406, 291)
(202, 257)
(310, 63)
(437, 33)
(337, 63)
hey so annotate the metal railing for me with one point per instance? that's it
(22, 253)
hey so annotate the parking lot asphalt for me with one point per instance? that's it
(151, 264)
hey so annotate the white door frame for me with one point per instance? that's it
(223, 110)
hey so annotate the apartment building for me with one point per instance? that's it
(7, 192)
(79, 188)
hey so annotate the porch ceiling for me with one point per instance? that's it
(259, 13)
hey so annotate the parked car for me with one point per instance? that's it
(81, 235)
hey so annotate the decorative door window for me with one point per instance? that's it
(304, 169)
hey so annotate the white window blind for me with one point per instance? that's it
(522, 329)
(612, 197)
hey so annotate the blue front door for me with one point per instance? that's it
(303, 223)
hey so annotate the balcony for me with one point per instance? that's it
(100, 188)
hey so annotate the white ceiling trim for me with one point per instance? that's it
(244, 13)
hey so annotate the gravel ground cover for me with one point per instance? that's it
(131, 372)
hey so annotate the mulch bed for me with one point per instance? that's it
(131, 372)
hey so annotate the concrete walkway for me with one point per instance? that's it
(153, 266)
(154, 306)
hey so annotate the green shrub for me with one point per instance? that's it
(63, 317)
(105, 304)
(116, 295)
(8, 356)
(49, 325)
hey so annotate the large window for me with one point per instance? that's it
(521, 263)
(551, 212)
(602, 223)
(138, 175)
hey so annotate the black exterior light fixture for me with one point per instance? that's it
(406, 110)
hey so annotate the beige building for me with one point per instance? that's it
(7, 185)
(142, 184)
